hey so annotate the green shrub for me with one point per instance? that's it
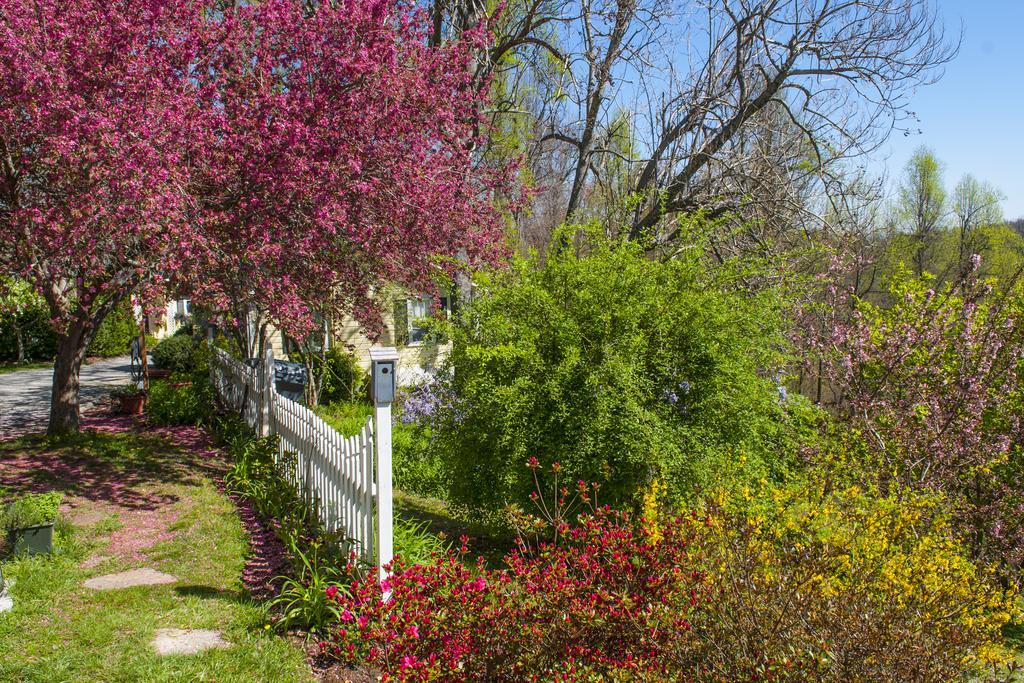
(201, 360)
(186, 330)
(623, 369)
(256, 475)
(37, 335)
(32, 509)
(179, 405)
(340, 375)
(174, 353)
(230, 430)
(417, 468)
(114, 336)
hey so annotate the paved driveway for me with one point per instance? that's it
(25, 395)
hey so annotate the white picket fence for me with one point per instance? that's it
(336, 475)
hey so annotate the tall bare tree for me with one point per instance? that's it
(744, 108)
(839, 72)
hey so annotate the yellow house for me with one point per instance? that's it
(167, 321)
(418, 353)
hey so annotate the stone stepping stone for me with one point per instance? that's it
(179, 641)
(88, 517)
(132, 577)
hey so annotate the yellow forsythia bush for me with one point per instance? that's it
(841, 586)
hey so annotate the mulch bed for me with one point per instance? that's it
(267, 559)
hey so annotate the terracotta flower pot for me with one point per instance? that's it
(133, 405)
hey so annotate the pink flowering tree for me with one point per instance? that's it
(343, 161)
(270, 155)
(94, 175)
(931, 381)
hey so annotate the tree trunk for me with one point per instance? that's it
(20, 341)
(64, 408)
(312, 385)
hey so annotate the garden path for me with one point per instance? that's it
(25, 395)
(155, 577)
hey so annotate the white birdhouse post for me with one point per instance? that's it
(384, 366)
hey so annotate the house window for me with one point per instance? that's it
(411, 317)
(316, 341)
(182, 307)
(418, 308)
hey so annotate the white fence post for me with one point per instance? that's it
(384, 362)
(267, 402)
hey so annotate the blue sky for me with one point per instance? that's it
(973, 118)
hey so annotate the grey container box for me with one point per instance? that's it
(34, 540)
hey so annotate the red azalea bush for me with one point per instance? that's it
(605, 600)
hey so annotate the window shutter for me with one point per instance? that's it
(401, 322)
(452, 299)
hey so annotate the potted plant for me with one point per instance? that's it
(131, 398)
(29, 522)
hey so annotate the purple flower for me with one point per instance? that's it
(422, 404)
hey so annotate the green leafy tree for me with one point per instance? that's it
(18, 298)
(922, 204)
(114, 335)
(975, 205)
(621, 368)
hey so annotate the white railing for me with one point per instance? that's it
(336, 475)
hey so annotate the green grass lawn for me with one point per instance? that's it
(433, 516)
(61, 631)
(6, 368)
(347, 417)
